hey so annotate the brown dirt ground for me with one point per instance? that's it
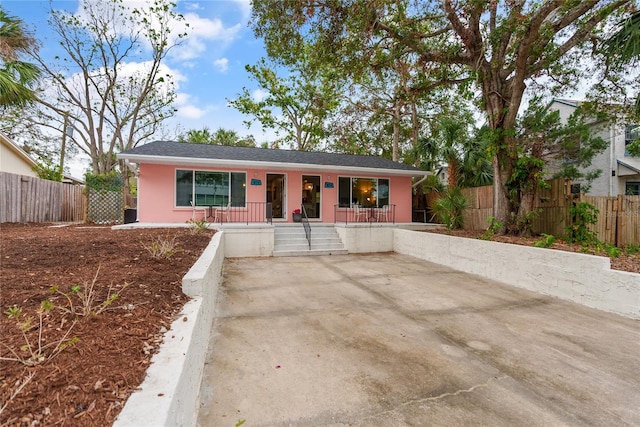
(624, 262)
(87, 383)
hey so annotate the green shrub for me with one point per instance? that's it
(632, 249)
(198, 226)
(494, 226)
(103, 183)
(583, 215)
(613, 251)
(546, 241)
(450, 208)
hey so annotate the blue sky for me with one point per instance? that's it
(209, 65)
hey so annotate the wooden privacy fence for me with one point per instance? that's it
(618, 218)
(553, 203)
(29, 199)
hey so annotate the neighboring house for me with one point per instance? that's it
(620, 172)
(173, 175)
(14, 159)
(443, 175)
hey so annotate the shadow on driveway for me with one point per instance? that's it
(390, 340)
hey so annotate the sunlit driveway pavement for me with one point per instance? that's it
(389, 340)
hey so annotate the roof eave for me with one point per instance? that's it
(190, 161)
(628, 165)
(18, 151)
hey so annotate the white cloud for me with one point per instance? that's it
(199, 32)
(259, 95)
(221, 64)
(245, 8)
(190, 112)
(192, 6)
(187, 108)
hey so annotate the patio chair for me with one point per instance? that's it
(222, 211)
(197, 209)
(384, 213)
(359, 212)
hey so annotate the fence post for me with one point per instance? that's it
(621, 225)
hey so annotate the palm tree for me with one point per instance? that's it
(477, 168)
(16, 77)
(467, 158)
(220, 137)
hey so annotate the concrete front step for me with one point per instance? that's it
(290, 240)
(311, 252)
(323, 239)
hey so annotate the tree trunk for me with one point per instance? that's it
(454, 168)
(501, 211)
(501, 108)
(396, 132)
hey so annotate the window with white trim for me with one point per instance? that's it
(210, 188)
(365, 192)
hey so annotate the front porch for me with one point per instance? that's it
(260, 239)
(263, 212)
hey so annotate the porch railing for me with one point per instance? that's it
(253, 212)
(346, 215)
(306, 225)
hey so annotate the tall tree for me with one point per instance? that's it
(296, 106)
(109, 84)
(500, 45)
(17, 77)
(450, 143)
(547, 146)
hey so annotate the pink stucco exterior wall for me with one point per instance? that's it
(156, 192)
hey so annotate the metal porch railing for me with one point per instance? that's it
(306, 225)
(346, 215)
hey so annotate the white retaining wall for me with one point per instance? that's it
(373, 237)
(169, 394)
(242, 241)
(585, 279)
(365, 238)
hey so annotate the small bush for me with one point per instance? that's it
(583, 215)
(88, 302)
(198, 226)
(492, 229)
(163, 248)
(450, 209)
(632, 249)
(39, 346)
(611, 250)
(546, 241)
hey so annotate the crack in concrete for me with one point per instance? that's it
(434, 398)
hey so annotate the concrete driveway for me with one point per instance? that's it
(390, 340)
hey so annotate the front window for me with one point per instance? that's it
(365, 192)
(207, 188)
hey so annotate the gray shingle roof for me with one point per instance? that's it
(250, 154)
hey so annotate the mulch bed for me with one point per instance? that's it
(107, 354)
